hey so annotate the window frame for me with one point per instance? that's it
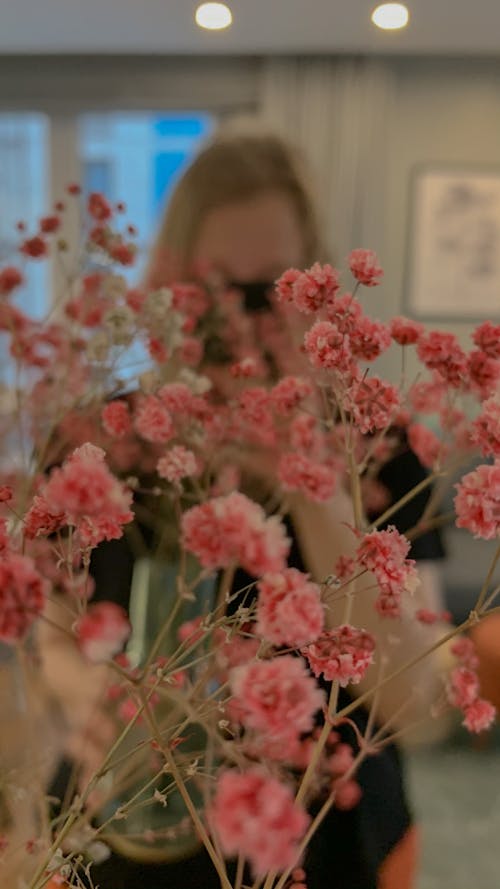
(65, 87)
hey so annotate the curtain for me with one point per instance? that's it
(335, 110)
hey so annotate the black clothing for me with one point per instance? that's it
(349, 847)
(399, 475)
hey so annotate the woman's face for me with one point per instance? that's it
(251, 240)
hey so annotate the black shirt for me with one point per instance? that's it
(350, 846)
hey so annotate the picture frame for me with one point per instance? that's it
(453, 256)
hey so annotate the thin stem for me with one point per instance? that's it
(389, 512)
(181, 785)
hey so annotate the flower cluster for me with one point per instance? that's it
(226, 419)
(289, 608)
(22, 595)
(256, 815)
(342, 654)
(235, 530)
(385, 554)
(477, 502)
(84, 494)
(463, 689)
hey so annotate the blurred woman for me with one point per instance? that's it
(243, 212)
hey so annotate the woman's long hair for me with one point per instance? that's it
(232, 167)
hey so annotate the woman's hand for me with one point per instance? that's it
(324, 534)
(79, 688)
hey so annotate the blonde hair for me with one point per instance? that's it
(233, 167)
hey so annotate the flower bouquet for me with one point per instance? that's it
(207, 440)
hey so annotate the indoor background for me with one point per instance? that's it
(119, 94)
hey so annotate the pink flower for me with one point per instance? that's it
(384, 553)
(4, 535)
(328, 348)
(344, 567)
(191, 630)
(276, 697)
(289, 393)
(479, 715)
(190, 299)
(247, 367)
(486, 428)
(22, 595)
(92, 530)
(484, 373)
(388, 604)
(284, 285)
(127, 710)
(463, 687)
(297, 472)
(93, 500)
(426, 396)
(122, 252)
(35, 248)
(98, 207)
(477, 503)
(254, 406)
(49, 224)
(340, 760)
(312, 288)
(289, 609)
(373, 403)
(345, 311)
(487, 338)
(10, 278)
(364, 266)
(84, 486)
(464, 649)
(441, 352)
(135, 299)
(347, 794)
(369, 339)
(257, 817)
(405, 331)
(201, 535)
(176, 397)
(343, 654)
(153, 421)
(429, 449)
(231, 529)
(305, 435)
(235, 650)
(116, 418)
(191, 351)
(41, 520)
(178, 463)
(102, 631)
(376, 497)
(428, 617)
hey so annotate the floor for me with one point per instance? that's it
(456, 794)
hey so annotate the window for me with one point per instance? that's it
(24, 196)
(136, 158)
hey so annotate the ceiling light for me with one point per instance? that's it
(390, 16)
(213, 16)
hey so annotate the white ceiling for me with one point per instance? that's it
(260, 26)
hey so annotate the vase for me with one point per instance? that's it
(154, 829)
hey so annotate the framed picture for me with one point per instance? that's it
(453, 269)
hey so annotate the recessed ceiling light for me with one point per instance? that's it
(390, 16)
(213, 16)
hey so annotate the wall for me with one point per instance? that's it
(443, 111)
